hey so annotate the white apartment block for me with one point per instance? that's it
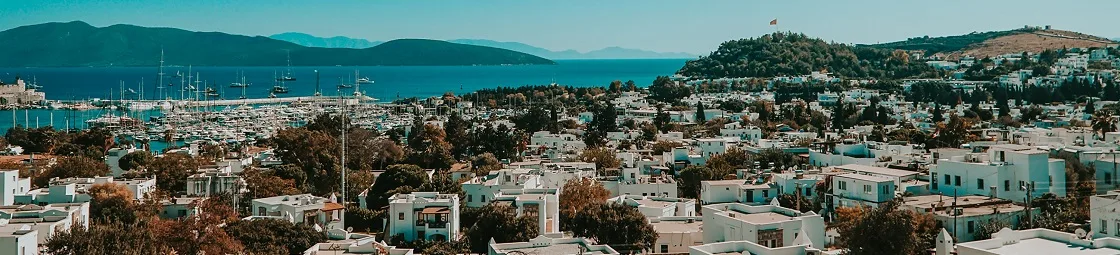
(634, 181)
(73, 190)
(852, 190)
(424, 216)
(544, 204)
(357, 244)
(963, 220)
(746, 247)
(299, 209)
(210, 183)
(1103, 215)
(557, 142)
(904, 181)
(1006, 171)
(798, 183)
(11, 185)
(48, 219)
(1034, 241)
(482, 189)
(676, 233)
(18, 239)
(749, 191)
(548, 245)
(712, 146)
(767, 225)
(658, 207)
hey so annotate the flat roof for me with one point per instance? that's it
(677, 226)
(877, 170)
(759, 218)
(563, 249)
(866, 177)
(1049, 247)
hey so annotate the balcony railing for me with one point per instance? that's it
(432, 224)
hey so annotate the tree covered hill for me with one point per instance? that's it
(80, 44)
(784, 54)
(933, 45)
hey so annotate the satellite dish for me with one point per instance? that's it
(1081, 234)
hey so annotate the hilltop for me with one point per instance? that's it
(80, 44)
(786, 54)
(994, 43)
(323, 42)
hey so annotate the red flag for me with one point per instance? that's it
(774, 22)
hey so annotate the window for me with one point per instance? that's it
(765, 193)
(1118, 228)
(470, 198)
(947, 180)
(971, 227)
(483, 198)
(1104, 227)
(808, 192)
(664, 248)
(1006, 185)
(1108, 178)
(867, 189)
(1022, 185)
(843, 185)
(957, 180)
(400, 216)
(260, 211)
(886, 189)
(980, 184)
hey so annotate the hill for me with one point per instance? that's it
(785, 54)
(321, 42)
(80, 44)
(994, 43)
(604, 53)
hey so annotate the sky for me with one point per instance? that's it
(693, 26)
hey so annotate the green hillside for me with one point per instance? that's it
(944, 44)
(80, 44)
(784, 54)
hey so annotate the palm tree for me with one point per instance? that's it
(1103, 122)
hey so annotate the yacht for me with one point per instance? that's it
(365, 80)
(288, 75)
(279, 89)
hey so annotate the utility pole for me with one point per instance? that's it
(342, 100)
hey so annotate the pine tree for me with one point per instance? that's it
(937, 118)
(700, 117)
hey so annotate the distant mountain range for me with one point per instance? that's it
(80, 44)
(605, 53)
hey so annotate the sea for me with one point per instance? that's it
(389, 82)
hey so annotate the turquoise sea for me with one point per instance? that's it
(390, 82)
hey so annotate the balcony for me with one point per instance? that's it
(432, 224)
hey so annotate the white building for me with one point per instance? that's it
(1035, 241)
(18, 239)
(11, 185)
(481, 189)
(658, 207)
(853, 190)
(48, 219)
(1103, 216)
(210, 183)
(768, 225)
(635, 181)
(424, 216)
(964, 219)
(549, 245)
(749, 191)
(544, 204)
(676, 233)
(73, 190)
(366, 245)
(1006, 171)
(746, 247)
(300, 209)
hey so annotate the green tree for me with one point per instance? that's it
(111, 202)
(106, 238)
(618, 225)
(483, 164)
(274, 236)
(700, 116)
(135, 160)
(69, 167)
(395, 177)
(604, 158)
(500, 223)
(898, 231)
(429, 150)
(690, 178)
(172, 170)
(661, 119)
(727, 162)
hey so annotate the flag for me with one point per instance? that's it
(774, 22)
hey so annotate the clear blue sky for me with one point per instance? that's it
(661, 25)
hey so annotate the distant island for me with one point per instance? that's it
(80, 44)
(605, 53)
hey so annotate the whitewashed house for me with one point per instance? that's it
(424, 216)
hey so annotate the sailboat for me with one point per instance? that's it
(241, 84)
(343, 85)
(34, 83)
(288, 75)
(279, 88)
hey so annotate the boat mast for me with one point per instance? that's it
(159, 88)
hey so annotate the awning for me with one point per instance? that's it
(436, 210)
(332, 207)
